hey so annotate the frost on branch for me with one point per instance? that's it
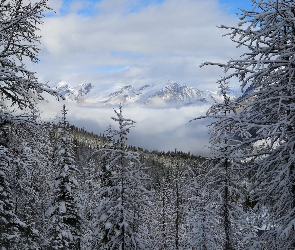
(123, 200)
(65, 226)
(267, 147)
(18, 41)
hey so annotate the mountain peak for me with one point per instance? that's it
(173, 94)
(85, 88)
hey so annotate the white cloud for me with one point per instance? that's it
(161, 129)
(154, 44)
(55, 4)
(163, 42)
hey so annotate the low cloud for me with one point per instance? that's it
(155, 129)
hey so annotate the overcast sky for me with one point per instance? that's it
(122, 42)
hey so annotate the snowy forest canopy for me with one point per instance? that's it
(64, 188)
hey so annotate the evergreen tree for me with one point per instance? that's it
(11, 183)
(221, 194)
(19, 88)
(163, 231)
(122, 199)
(28, 159)
(266, 120)
(65, 221)
(171, 205)
(10, 225)
(90, 186)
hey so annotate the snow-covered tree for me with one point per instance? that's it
(266, 121)
(162, 235)
(19, 22)
(65, 221)
(90, 186)
(122, 199)
(28, 170)
(221, 194)
(171, 205)
(10, 225)
(19, 87)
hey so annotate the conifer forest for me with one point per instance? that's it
(62, 187)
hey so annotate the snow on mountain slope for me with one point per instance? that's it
(73, 93)
(171, 94)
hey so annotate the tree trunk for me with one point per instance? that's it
(226, 210)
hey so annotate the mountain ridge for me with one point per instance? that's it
(171, 94)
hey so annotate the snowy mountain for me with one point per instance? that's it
(73, 93)
(171, 94)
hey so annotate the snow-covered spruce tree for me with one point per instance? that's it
(18, 163)
(65, 221)
(177, 202)
(170, 202)
(19, 87)
(268, 34)
(220, 194)
(90, 185)
(89, 179)
(93, 169)
(28, 163)
(184, 176)
(163, 237)
(122, 199)
(10, 225)
(202, 219)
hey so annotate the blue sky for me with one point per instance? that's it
(234, 5)
(89, 6)
(90, 10)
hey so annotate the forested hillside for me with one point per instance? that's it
(63, 183)
(64, 188)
